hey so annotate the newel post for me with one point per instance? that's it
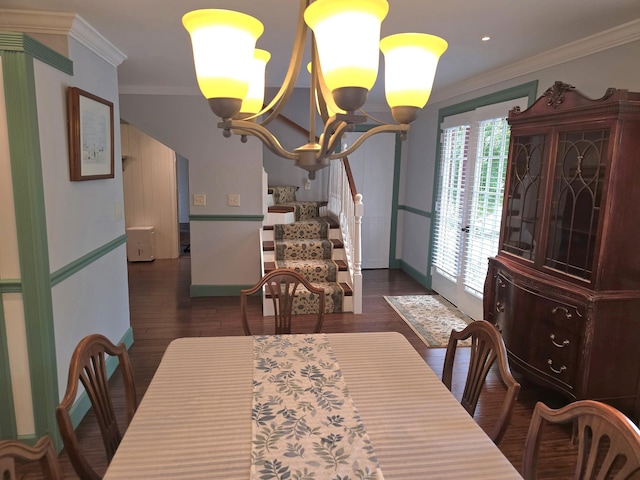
(357, 273)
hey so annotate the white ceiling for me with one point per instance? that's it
(150, 33)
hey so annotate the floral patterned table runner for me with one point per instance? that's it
(305, 425)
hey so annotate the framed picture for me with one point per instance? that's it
(90, 136)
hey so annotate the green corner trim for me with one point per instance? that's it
(226, 218)
(8, 428)
(82, 404)
(397, 160)
(415, 211)
(19, 42)
(217, 290)
(10, 286)
(31, 229)
(529, 89)
(77, 265)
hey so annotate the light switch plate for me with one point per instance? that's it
(199, 199)
(233, 200)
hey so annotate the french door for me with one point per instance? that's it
(468, 210)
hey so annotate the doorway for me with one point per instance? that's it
(372, 166)
(182, 176)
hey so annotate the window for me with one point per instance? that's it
(470, 190)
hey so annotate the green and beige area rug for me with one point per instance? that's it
(430, 316)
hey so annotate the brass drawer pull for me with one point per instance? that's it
(499, 307)
(562, 368)
(557, 309)
(559, 345)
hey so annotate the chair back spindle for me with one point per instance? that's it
(282, 286)
(487, 347)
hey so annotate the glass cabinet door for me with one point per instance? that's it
(524, 209)
(575, 207)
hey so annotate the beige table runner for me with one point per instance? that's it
(305, 425)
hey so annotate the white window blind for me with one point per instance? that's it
(468, 211)
(450, 204)
(484, 202)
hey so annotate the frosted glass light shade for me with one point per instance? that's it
(353, 62)
(223, 42)
(254, 100)
(410, 66)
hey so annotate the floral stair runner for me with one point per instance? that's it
(304, 423)
(285, 196)
(305, 247)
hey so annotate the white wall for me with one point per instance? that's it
(81, 216)
(592, 75)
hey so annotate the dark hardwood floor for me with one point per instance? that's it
(162, 310)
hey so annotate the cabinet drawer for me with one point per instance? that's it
(556, 354)
(556, 331)
(540, 330)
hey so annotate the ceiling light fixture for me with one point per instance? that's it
(231, 72)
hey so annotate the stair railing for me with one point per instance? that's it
(345, 205)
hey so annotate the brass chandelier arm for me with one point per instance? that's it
(278, 102)
(265, 136)
(331, 136)
(402, 128)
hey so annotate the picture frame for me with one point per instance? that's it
(91, 155)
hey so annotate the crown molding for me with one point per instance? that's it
(605, 40)
(61, 23)
(88, 36)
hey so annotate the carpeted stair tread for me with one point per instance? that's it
(304, 249)
(306, 229)
(342, 266)
(313, 270)
(332, 223)
(334, 294)
(269, 245)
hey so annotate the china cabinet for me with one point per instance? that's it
(564, 287)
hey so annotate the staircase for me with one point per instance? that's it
(314, 248)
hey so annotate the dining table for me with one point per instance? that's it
(237, 408)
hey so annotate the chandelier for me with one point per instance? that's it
(231, 73)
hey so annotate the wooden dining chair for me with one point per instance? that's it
(281, 286)
(608, 442)
(88, 366)
(487, 346)
(12, 451)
